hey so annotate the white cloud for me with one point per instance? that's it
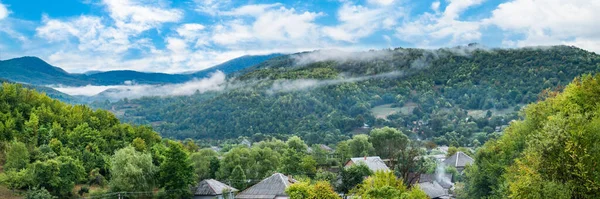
(550, 22)
(381, 2)
(359, 21)
(3, 11)
(442, 29)
(211, 7)
(215, 81)
(262, 25)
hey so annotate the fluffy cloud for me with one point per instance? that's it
(3, 11)
(549, 22)
(442, 28)
(357, 21)
(261, 25)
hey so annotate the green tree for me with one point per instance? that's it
(238, 178)
(176, 173)
(342, 151)
(360, 146)
(17, 156)
(319, 154)
(38, 193)
(308, 166)
(352, 176)
(132, 171)
(388, 141)
(380, 185)
(202, 162)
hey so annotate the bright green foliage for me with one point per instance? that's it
(17, 156)
(233, 158)
(380, 185)
(16, 179)
(552, 153)
(38, 193)
(353, 175)
(308, 166)
(300, 190)
(266, 162)
(415, 193)
(388, 141)
(58, 176)
(139, 144)
(202, 162)
(176, 173)
(59, 144)
(238, 178)
(305, 190)
(291, 162)
(297, 144)
(386, 185)
(132, 171)
(360, 146)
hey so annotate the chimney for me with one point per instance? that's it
(365, 158)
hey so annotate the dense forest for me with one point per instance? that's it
(552, 153)
(459, 96)
(51, 149)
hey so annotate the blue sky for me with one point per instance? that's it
(186, 35)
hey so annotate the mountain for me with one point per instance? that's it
(236, 64)
(458, 96)
(35, 71)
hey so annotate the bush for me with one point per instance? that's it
(83, 190)
(40, 193)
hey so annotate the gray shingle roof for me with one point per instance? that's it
(211, 187)
(374, 163)
(433, 189)
(459, 159)
(268, 188)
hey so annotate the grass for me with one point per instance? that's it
(383, 111)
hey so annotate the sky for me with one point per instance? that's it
(174, 36)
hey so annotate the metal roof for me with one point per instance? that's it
(268, 188)
(211, 187)
(459, 159)
(374, 163)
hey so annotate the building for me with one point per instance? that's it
(435, 186)
(272, 187)
(375, 163)
(459, 160)
(212, 189)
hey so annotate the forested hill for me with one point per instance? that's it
(35, 71)
(458, 96)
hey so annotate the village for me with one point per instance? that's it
(439, 184)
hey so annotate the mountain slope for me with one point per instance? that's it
(34, 71)
(453, 96)
(236, 64)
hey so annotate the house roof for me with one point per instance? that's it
(374, 163)
(443, 180)
(211, 187)
(433, 189)
(268, 188)
(459, 159)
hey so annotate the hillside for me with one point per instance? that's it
(459, 96)
(34, 71)
(552, 153)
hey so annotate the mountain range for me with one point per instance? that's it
(35, 71)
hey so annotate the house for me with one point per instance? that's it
(375, 163)
(433, 190)
(459, 160)
(435, 186)
(211, 189)
(272, 187)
